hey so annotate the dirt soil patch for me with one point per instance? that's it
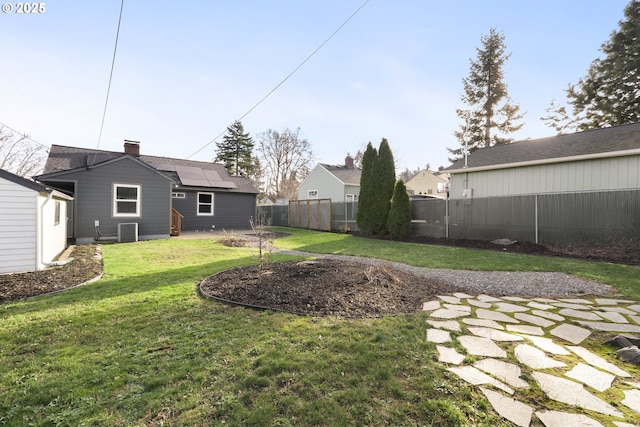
(324, 287)
(86, 265)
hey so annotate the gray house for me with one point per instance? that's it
(127, 196)
(340, 183)
(32, 224)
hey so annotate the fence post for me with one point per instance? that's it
(536, 216)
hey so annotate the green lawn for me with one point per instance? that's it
(140, 347)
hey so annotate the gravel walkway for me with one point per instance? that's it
(530, 284)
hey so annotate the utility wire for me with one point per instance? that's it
(286, 78)
(25, 136)
(113, 61)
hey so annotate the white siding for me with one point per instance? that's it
(54, 236)
(18, 224)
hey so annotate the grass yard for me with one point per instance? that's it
(140, 347)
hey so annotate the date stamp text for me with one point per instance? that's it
(24, 8)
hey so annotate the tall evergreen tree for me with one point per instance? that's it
(491, 117)
(236, 151)
(399, 223)
(609, 94)
(385, 180)
(366, 199)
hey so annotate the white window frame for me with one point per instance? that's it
(312, 194)
(175, 195)
(198, 204)
(57, 212)
(137, 201)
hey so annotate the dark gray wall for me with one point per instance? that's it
(230, 211)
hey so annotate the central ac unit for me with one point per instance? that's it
(127, 232)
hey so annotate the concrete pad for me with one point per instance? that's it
(564, 419)
(507, 372)
(620, 310)
(572, 393)
(476, 377)
(430, 305)
(457, 307)
(482, 313)
(506, 307)
(571, 333)
(632, 399)
(509, 408)
(449, 325)
(438, 336)
(598, 361)
(477, 303)
(546, 315)
(578, 314)
(612, 301)
(612, 316)
(449, 355)
(539, 305)
(444, 313)
(576, 301)
(525, 329)
(547, 345)
(611, 327)
(487, 298)
(450, 299)
(493, 334)
(515, 299)
(590, 376)
(462, 295)
(479, 346)
(535, 320)
(535, 358)
(634, 307)
(486, 323)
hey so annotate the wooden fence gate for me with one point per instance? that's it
(314, 214)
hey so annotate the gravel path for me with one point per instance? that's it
(530, 284)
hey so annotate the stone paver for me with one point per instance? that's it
(476, 377)
(525, 329)
(479, 346)
(616, 309)
(516, 299)
(547, 345)
(634, 307)
(430, 305)
(632, 399)
(449, 325)
(486, 323)
(534, 320)
(535, 358)
(579, 314)
(569, 306)
(457, 307)
(483, 313)
(635, 319)
(565, 419)
(438, 336)
(488, 298)
(504, 371)
(612, 301)
(598, 362)
(449, 355)
(621, 424)
(592, 377)
(509, 408)
(611, 327)
(506, 307)
(539, 305)
(478, 303)
(576, 301)
(571, 333)
(612, 316)
(462, 295)
(493, 334)
(450, 299)
(550, 316)
(444, 313)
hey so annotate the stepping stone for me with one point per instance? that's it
(479, 346)
(540, 306)
(487, 298)
(457, 307)
(610, 301)
(592, 377)
(482, 313)
(449, 325)
(507, 372)
(477, 303)
(509, 408)
(576, 301)
(611, 327)
(449, 355)
(584, 315)
(430, 305)
(572, 306)
(564, 419)
(572, 393)
(506, 307)
(450, 299)
(486, 323)
(476, 377)
(598, 361)
(635, 319)
(632, 399)
(438, 336)
(547, 315)
(612, 316)
(547, 345)
(525, 329)
(620, 310)
(515, 299)
(534, 358)
(633, 384)
(529, 318)
(634, 307)
(462, 295)
(571, 333)
(444, 313)
(619, 424)
(493, 334)
(545, 300)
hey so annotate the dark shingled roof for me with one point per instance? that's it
(62, 158)
(350, 176)
(591, 142)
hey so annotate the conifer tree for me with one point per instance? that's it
(236, 151)
(385, 180)
(366, 199)
(399, 223)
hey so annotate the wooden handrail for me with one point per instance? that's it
(176, 222)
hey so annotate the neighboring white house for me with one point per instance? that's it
(426, 182)
(340, 183)
(33, 224)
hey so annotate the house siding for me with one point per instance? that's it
(230, 210)
(18, 226)
(328, 186)
(615, 173)
(54, 236)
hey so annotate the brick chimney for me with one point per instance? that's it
(132, 147)
(348, 162)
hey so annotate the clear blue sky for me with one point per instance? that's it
(185, 70)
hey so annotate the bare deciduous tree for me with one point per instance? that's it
(286, 158)
(19, 154)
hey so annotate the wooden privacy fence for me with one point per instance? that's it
(314, 214)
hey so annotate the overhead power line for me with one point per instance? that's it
(287, 77)
(24, 135)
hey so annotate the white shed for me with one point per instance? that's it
(33, 224)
